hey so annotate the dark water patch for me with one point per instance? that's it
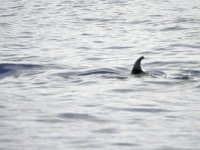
(159, 49)
(89, 146)
(182, 77)
(3, 70)
(138, 22)
(193, 75)
(171, 117)
(143, 110)
(186, 75)
(91, 105)
(175, 28)
(5, 67)
(186, 20)
(2, 116)
(86, 34)
(198, 86)
(98, 42)
(85, 144)
(96, 19)
(5, 140)
(104, 73)
(106, 131)
(66, 74)
(4, 24)
(80, 117)
(192, 72)
(53, 120)
(175, 148)
(119, 47)
(156, 16)
(84, 48)
(14, 7)
(22, 37)
(123, 90)
(167, 83)
(185, 45)
(135, 121)
(94, 58)
(93, 72)
(2, 106)
(8, 15)
(8, 69)
(98, 72)
(115, 77)
(125, 144)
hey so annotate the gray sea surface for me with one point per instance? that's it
(65, 79)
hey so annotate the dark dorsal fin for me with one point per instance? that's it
(137, 66)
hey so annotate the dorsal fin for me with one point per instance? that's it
(137, 66)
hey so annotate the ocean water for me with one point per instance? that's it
(65, 78)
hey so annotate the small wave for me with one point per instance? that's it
(185, 45)
(2, 106)
(125, 144)
(185, 75)
(96, 19)
(192, 72)
(119, 47)
(123, 90)
(80, 117)
(54, 120)
(98, 71)
(143, 110)
(175, 28)
(4, 24)
(186, 20)
(106, 131)
(84, 48)
(138, 22)
(8, 15)
(104, 72)
(182, 77)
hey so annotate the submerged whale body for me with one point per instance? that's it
(137, 66)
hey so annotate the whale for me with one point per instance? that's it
(137, 69)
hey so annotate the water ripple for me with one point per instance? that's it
(174, 28)
(185, 45)
(125, 144)
(106, 131)
(143, 110)
(119, 47)
(80, 117)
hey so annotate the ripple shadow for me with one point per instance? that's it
(143, 110)
(80, 117)
(125, 144)
(101, 72)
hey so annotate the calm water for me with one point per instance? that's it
(65, 78)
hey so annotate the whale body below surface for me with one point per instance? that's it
(137, 69)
